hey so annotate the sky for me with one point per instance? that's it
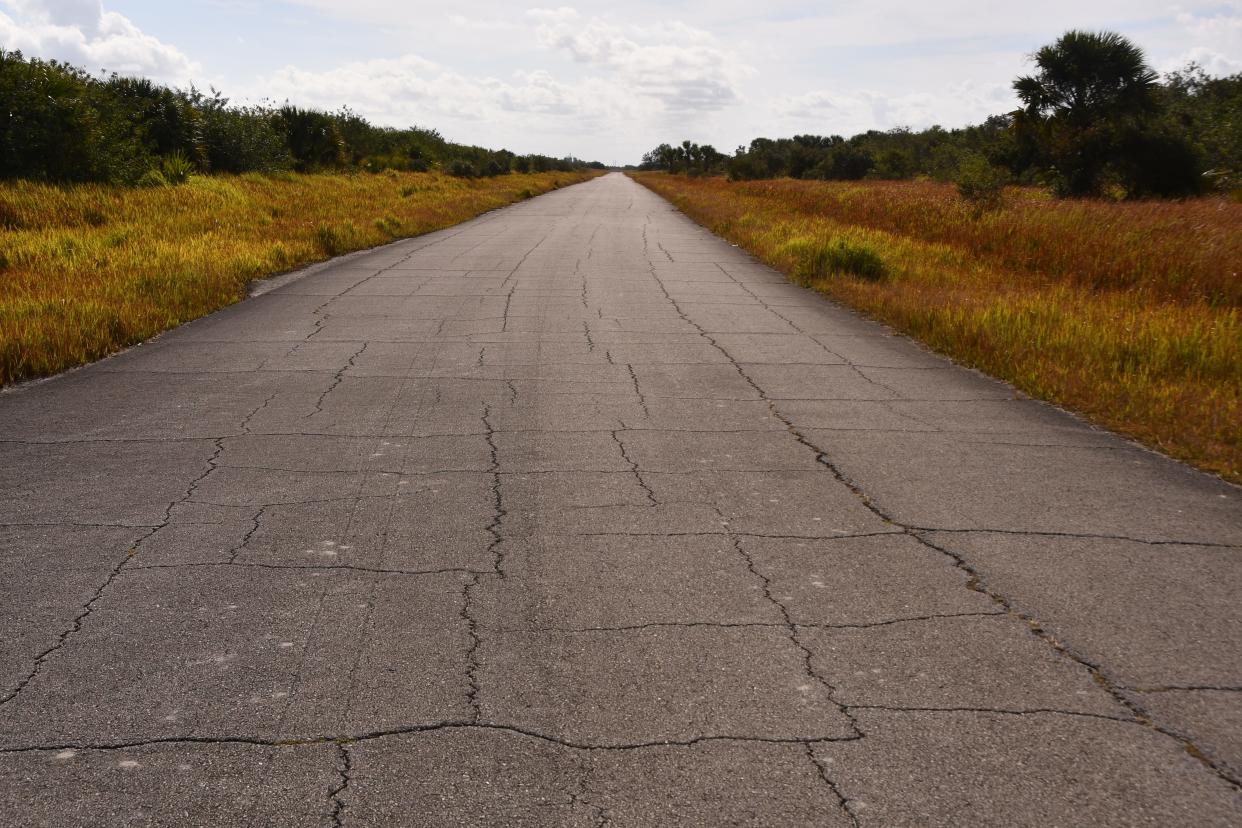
(608, 81)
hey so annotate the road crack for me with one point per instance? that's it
(336, 797)
(337, 379)
(974, 578)
(499, 512)
(642, 484)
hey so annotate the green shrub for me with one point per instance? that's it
(980, 183)
(152, 178)
(176, 168)
(818, 259)
(237, 140)
(335, 239)
(314, 139)
(461, 168)
(387, 164)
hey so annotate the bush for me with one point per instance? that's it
(335, 239)
(980, 183)
(818, 259)
(1158, 162)
(176, 168)
(240, 140)
(313, 138)
(461, 168)
(61, 124)
(386, 163)
(152, 178)
(845, 162)
(745, 167)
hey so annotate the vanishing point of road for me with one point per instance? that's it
(574, 514)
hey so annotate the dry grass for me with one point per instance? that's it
(87, 270)
(1127, 313)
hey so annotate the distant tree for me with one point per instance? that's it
(1209, 111)
(980, 183)
(688, 157)
(1089, 116)
(663, 157)
(314, 139)
(60, 123)
(845, 161)
(704, 160)
(1085, 76)
(239, 139)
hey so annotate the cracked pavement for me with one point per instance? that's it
(576, 514)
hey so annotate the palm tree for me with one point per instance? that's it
(1086, 75)
(1086, 107)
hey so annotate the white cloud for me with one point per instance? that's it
(412, 90)
(82, 32)
(631, 75)
(1217, 40)
(486, 25)
(683, 68)
(1220, 27)
(846, 113)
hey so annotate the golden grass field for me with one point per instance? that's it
(86, 270)
(1126, 313)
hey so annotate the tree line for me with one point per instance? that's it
(60, 123)
(1095, 120)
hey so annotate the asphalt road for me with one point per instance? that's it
(575, 514)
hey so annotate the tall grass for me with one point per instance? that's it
(86, 270)
(1127, 313)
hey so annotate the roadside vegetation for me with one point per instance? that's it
(1095, 121)
(60, 123)
(127, 208)
(88, 269)
(1042, 247)
(1125, 312)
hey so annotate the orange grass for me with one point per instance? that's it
(1126, 313)
(87, 270)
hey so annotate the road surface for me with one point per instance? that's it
(575, 514)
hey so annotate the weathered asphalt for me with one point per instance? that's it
(574, 514)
